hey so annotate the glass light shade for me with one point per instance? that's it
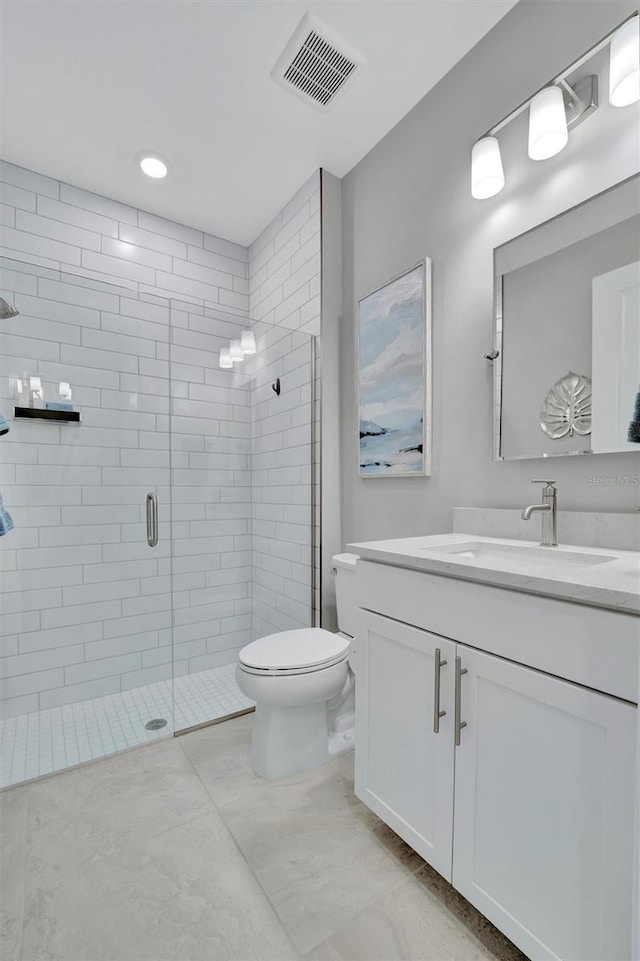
(548, 133)
(235, 351)
(487, 174)
(248, 343)
(624, 65)
(225, 361)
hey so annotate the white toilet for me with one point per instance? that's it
(303, 688)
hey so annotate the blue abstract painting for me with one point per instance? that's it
(393, 382)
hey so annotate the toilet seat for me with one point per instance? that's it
(294, 652)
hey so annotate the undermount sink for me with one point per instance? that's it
(510, 553)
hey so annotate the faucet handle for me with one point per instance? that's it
(549, 483)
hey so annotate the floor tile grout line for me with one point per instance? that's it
(243, 856)
(25, 848)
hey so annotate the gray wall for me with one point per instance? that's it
(410, 197)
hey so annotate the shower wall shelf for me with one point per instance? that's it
(42, 413)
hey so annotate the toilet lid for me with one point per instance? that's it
(294, 650)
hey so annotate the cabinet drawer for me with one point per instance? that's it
(590, 646)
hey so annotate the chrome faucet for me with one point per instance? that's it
(549, 507)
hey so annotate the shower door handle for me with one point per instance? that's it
(152, 520)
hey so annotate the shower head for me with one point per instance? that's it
(7, 310)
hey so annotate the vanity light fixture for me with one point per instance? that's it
(248, 343)
(561, 105)
(624, 64)
(235, 351)
(153, 166)
(548, 133)
(225, 362)
(239, 348)
(487, 174)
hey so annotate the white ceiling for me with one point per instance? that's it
(88, 84)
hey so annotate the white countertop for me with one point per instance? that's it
(614, 584)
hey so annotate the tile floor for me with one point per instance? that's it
(178, 852)
(32, 745)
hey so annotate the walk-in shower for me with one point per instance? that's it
(157, 535)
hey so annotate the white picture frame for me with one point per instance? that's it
(394, 374)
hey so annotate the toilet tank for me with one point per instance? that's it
(344, 567)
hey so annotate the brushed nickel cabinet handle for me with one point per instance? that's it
(152, 520)
(437, 713)
(458, 724)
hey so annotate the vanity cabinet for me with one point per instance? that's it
(530, 815)
(543, 811)
(404, 758)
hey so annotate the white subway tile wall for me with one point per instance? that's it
(284, 265)
(281, 480)
(284, 301)
(86, 608)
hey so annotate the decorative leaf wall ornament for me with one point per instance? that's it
(567, 407)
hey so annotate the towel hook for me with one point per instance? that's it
(276, 386)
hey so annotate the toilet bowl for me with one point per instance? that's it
(303, 687)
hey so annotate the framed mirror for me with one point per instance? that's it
(567, 332)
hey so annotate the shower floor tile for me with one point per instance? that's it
(33, 745)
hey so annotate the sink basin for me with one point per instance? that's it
(510, 553)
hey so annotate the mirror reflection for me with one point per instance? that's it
(567, 297)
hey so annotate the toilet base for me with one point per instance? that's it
(286, 740)
(341, 742)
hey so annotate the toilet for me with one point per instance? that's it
(303, 687)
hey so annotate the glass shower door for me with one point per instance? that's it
(86, 598)
(242, 494)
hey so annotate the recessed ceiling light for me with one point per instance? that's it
(153, 166)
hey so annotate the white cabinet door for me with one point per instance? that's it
(544, 810)
(404, 769)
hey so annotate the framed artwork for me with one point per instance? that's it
(394, 377)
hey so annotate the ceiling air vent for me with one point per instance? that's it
(317, 64)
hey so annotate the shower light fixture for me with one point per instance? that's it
(624, 64)
(235, 351)
(561, 105)
(153, 166)
(248, 343)
(225, 361)
(548, 133)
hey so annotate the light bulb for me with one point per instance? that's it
(548, 133)
(235, 351)
(487, 174)
(225, 361)
(248, 343)
(624, 64)
(153, 167)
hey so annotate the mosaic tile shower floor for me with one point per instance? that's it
(32, 745)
